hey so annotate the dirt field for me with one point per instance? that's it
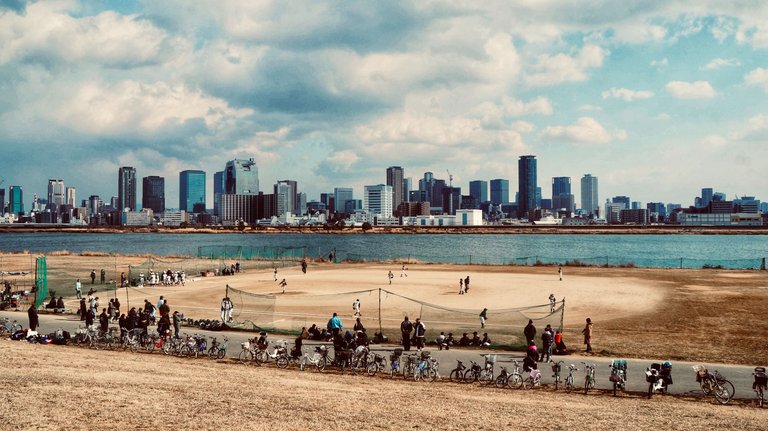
(54, 387)
(712, 316)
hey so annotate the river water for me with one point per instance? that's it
(690, 251)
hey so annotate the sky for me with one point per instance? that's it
(655, 98)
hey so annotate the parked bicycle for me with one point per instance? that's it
(569, 379)
(478, 373)
(557, 367)
(760, 385)
(511, 379)
(589, 378)
(8, 326)
(427, 368)
(659, 377)
(318, 359)
(394, 361)
(218, 350)
(457, 374)
(714, 384)
(378, 365)
(618, 375)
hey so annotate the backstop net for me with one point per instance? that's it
(384, 310)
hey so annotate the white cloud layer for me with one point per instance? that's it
(691, 90)
(585, 130)
(757, 77)
(626, 94)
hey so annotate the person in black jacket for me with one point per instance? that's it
(104, 321)
(89, 317)
(83, 309)
(34, 322)
(405, 328)
(529, 332)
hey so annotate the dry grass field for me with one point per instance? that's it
(54, 387)
(707, 315)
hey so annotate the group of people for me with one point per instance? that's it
(419, 330)
(230, 270)
(103, 276)
(463, 285)
(166, 278)
(446, 342)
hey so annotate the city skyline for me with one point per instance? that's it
(677, 89)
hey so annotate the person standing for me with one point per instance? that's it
(483, 317)
(466, 284)
(304, 265)
(530, 332)
(420, 331)
(93, 276)
(123, 280)
(160, 303)
(405, 329)
(356, 307)
(546, 344)
(89, 316)
(334, 324)
(587, 331)
(34, 321)
(164, 309)
(103, 275)
(83, 309)
(390, 276)
(283, 284)
(176, 324)
(560, 273)
(275, 273)
(79, 289)
(402, 272)
(552, 302)
(461, 286)
(104, 321)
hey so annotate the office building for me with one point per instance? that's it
(622, 200)
(706, 197)
(192, 191)
(56, 194)
(340, 197)
(236, 208)
(657, 210)
(94, 205)
(353, 205)
(451, 200)
(218, 190)
(395, 175)
(407, 184)
(425, 187)
(71, 197)
(301, 204)
(436, 199)
(15, 200)
(478, 189)
(241, 177)
(589, 196)
(3, 205)
(285, 197)
(378, 200)
(153, 193)
(500, 191)
(126, 189)
(526, 169)
(562, 196)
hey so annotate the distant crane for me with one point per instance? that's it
(450, 199)
(450, 178)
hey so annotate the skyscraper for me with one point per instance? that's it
(2, 201)
(94, 205)
(378, 200)
(562, 198)
(15, 200)
(218, 190)
(706, 196)
(526, 169)
(425, 187)
(500, 191)
(340, 197)
(622, 200)
(589, 197)
(153, 193)
(478, 189)
(395, 180)
(71, 199)
(192, 191)
(241, 177)
(126, 188)
(451, 199)
(56, 194)
(407, 184)
(285, 197)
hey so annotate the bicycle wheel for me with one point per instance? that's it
(557, 380)
(261, 357)
(372, 369)
(166, 349)
(470, 376)
(186, 351)
(724, 391)
(282, 362)
(151, 347)
(615, 387)
(515, 381)
(245, 356)
(569, 384)
(320, 364)
(486, 377)
(586, 385)
(456, 376)
(221, 353)
(501, 381)
(760, 397)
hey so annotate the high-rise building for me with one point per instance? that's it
(2, 201)
(218, 190)
(478, 189)
(15, 200)
(425, 187)
(589, 196)
(126, 188)
(94, 205)
(153, 194)
(706, 196)
(301, 204)
(562, 197)
(622, 200)
(526, 169)
(192, 191)
(56, 194)
(241, 177)
(407, 184)
(378, 200)
(451, 200)
(285, 197)
(436, 199)
(395, 180)
(340, 197)
(500, 191)
(71, 199)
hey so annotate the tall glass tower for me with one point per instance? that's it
(478, 189)
(500, 191)
(218, 190)
(395, 176)
(241, 177)
(589, 198)
(192, 191)
(15, 200)
(526, 197)
(153, 193)
(126, 188)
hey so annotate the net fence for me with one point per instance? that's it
(384, 310)
(251, 253)
(196, 267)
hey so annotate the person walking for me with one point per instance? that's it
(93, 276)
(402, 272)
(79, 289)
(103, 275)
(483, 317)
(123, 280)
(34, 321)
(461, 286)
(304, 265)
(283, 284)
(530, 332)
(405, 329)
(420, 331)
(466, 285)
(334, 324)
(356, 307)
(275, 273)
(587, 331)
(552, 302)
(560, 273)
(390, 276)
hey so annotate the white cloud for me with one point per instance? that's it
(691, 90)
(663, 116)
(341, 161)
(589, 107)
(584, 130)
(718, 63)
(552, 70)
(757, 77)
(627, 95)
(664, 62)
